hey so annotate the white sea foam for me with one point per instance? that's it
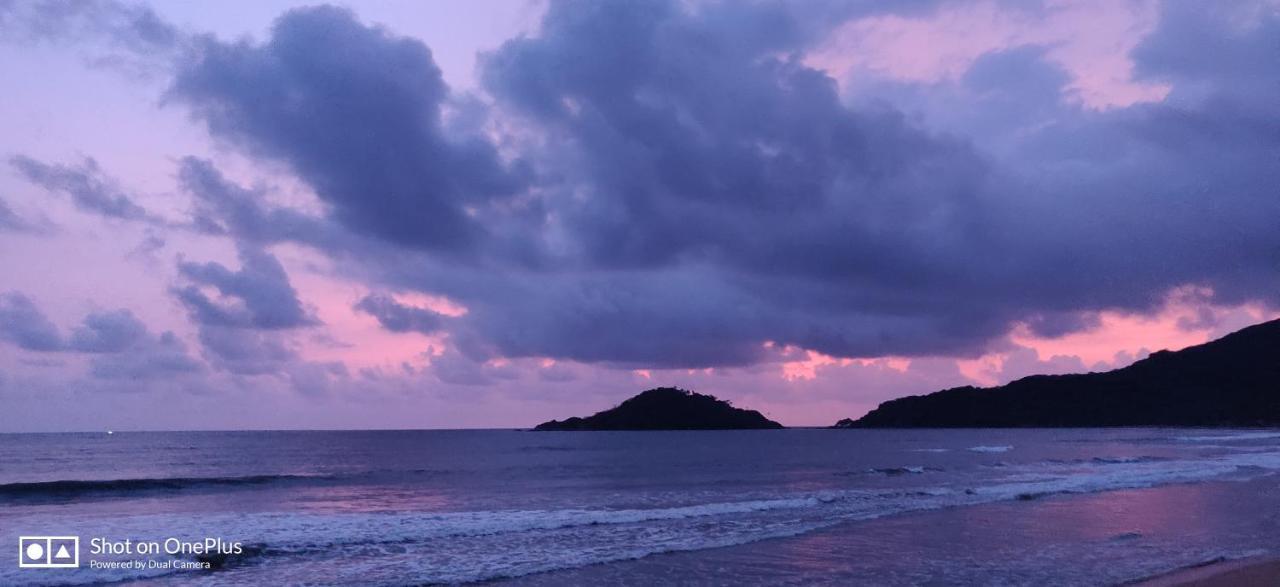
(480, 545)
(1229, 437)
(899, 470)
(1043, 480)
(991, 448)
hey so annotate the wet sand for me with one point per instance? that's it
(1158, 537)
(1252, 572)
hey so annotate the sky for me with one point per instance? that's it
(278, 215)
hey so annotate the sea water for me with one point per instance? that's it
(944, 507)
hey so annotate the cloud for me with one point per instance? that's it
(398, 317)
(455, 368)
(10, 221)
(673, 185)
(147, 248)
(245, 330)
(133, 26)
(222, 207)
(107, 332)
(89, 189)
(317, 379)
(258, 295)
(150, 358)
(119, 345)
(677, 187)
(245, 352)
(1052, 325)
(363, 125)
(126, 37)
(1089, 41)
(1021, 361)
(1223, 53)
(23, 324)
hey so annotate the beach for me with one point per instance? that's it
(1185, 534)
(1254, 572)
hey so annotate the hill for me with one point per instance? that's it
(1232, 381)
(667, 408)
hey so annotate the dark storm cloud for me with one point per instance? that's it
(730, 199)
(686, 318)
(780, 179)
(688, 189)
(258, 295)
(1224, 53)
(1053, 325)
(23, 324)
(1123, 205)
(398, 317)
(222, 207)
(85, 183)
(357, 113)
(851, 231)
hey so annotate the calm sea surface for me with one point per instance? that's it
(872, 507)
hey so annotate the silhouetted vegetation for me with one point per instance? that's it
(1233, 381)
(667, 408)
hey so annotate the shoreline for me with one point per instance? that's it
(1136, 537)
(1259, 571)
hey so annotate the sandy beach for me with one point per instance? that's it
(1252, 572)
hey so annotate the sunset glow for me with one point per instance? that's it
(476, 218)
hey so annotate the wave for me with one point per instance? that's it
(1109, 460)
(70, 488)
(1229, 437)
(1127, 460)
(1217, 559)
(890, 471)
(481, 545)
(1034, 483)
(991, 449)
(65, 489)
(900, 470)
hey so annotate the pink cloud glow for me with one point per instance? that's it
(1090, 39)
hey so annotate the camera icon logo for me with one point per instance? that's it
(48, 552)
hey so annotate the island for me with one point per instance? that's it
(668, 408)
(1232, 381)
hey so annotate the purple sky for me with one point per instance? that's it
(409, 214)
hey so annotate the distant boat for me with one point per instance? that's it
(110, 432)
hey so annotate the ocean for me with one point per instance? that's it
(800, 506)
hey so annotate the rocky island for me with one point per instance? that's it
(668, 408)
(1232, 381)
